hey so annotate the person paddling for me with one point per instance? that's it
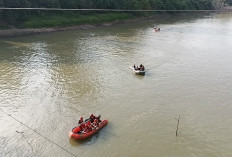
(80, 121)
(134, 67)
(99, 118)
(92, 117)
(143, 68)
(95, 124)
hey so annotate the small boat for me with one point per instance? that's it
(138, 72)
(157, 29)
(77, 134)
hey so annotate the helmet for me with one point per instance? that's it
(81, 118)
(91, 114)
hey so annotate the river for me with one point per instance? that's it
(48, 81)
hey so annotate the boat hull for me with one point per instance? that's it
(86, 135)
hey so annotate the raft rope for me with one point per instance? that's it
(112, 10)
(38, 133)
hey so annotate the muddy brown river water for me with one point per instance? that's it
(48, 81)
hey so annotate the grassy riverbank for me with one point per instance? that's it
(60, 13)
(71, 19)
(66, 20)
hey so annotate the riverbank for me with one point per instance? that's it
(12, 32)
(29, 31)
(62, 22)
(19, 32)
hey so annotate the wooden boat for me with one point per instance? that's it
(77, 134)
(138, 72)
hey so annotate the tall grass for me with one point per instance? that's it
(64, 20)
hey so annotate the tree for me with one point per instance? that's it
(11, 3)
(48, 3)
(1, 12)
(71, 4)
(2, 3)
(84, 4)
(229, 2)
(97, 4)
(145, 5)
(157, 4)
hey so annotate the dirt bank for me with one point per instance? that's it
(19, 32)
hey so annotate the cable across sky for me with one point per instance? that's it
(113, 10)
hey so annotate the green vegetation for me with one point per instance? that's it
(229, 2)
(63, 20)
(42, 18)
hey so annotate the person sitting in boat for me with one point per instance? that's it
(80, 121)
(89, 128)
(157, 29)
(95, 123)
(82, 126)
(92, 117)
(142, 68)
(99, 118)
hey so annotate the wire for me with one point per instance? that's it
(38, 133)
(112, 10)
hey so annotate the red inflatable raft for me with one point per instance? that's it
(76, 133)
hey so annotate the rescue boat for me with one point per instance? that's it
(77, 134)
(138, 72)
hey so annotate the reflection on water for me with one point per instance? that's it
(19, 44)
(48, 81)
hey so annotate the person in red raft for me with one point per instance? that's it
(92, 117)
(80, 121)
(93, 122)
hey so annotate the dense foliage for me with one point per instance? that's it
(18, 16)
(228, 2)
(110, 4)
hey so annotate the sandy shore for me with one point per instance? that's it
(19, 32)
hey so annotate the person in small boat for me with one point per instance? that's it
(80, 121)
(157, 29)
(92, 117)
(99, 118)
(142, 68)
(134, 66)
